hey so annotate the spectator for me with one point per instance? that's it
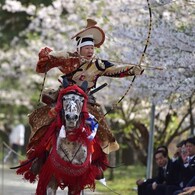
(167, 175)
(181, 152)
(188, 167)
(17, 140)
(163, 148)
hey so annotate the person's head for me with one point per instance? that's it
(190, 146)
(92, 36)
(87, 51)
(181, 144)
(163, 148)
(161, 158)
(181, 147)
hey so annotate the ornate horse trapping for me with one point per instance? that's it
(66, 152)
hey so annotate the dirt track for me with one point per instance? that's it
(13, 184)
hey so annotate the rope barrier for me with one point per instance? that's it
(10, 152)
(5, 155)
(4, 159)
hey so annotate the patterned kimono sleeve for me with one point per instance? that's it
(49, 59)
(122, 71)
(43, 64)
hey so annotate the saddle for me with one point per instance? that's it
(39, 119)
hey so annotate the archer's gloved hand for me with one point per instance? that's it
(137, 70)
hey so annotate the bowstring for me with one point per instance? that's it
(42, 86)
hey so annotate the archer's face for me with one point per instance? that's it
(87, 51)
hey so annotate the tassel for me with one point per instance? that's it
(62, 133)
(103, 181)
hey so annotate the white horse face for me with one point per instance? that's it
(72, 106)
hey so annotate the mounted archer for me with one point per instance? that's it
(83, 65)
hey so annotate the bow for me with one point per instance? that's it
(141, 58)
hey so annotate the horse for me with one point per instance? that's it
(66, 153)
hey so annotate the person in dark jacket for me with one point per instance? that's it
(167, 175)
(187, 168)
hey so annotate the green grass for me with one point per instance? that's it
(124, 180)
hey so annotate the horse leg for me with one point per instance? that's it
(50, 191)
(52, 187)
(73, 191)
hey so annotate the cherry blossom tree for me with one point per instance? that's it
(126, 23)
(171, 47)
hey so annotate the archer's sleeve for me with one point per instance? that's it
(49, 59)
(112, 70)
(44, 63)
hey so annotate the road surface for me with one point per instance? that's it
(13, 184)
